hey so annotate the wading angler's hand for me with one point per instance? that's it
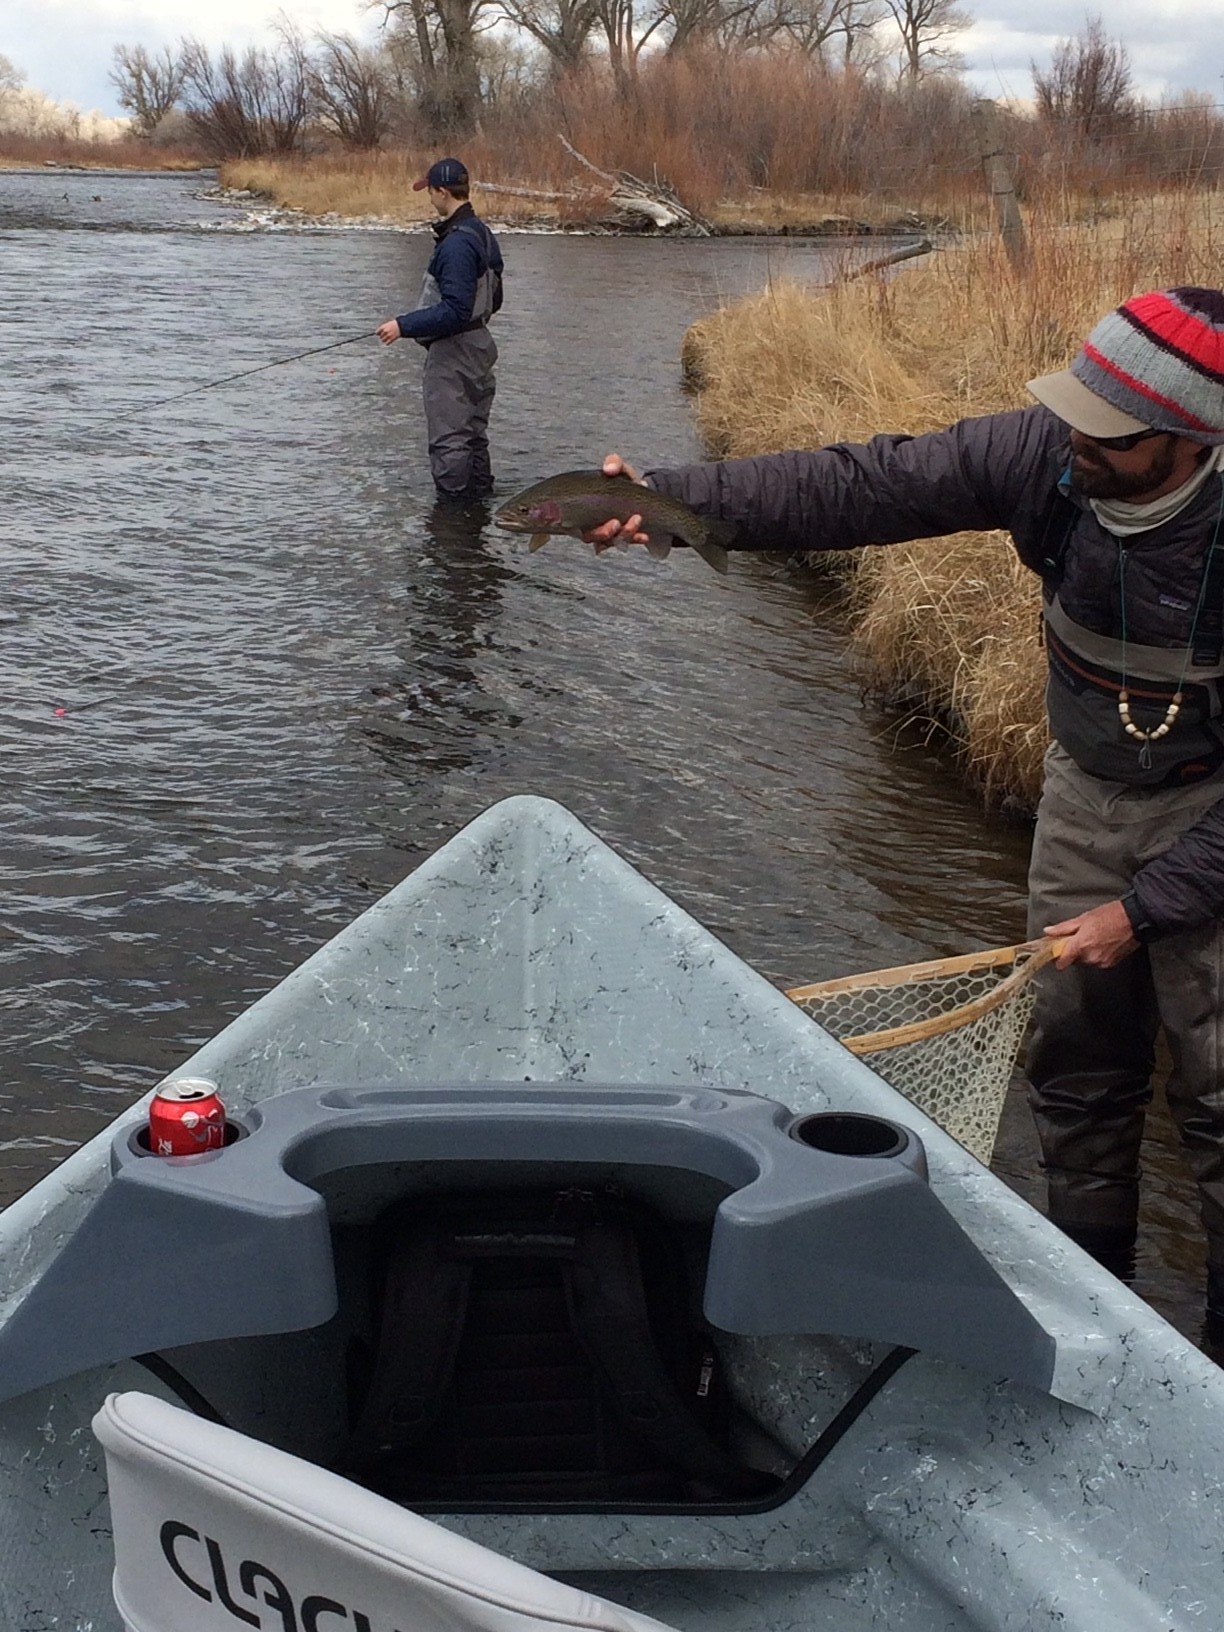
(388, 331)
(618, 533)
(1101, 937)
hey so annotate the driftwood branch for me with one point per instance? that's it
(535, 192)
(924, 246)
(582, 159)
(629, 199)
(633, 199)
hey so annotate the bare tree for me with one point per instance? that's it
(562, 28)
(512, 70)
(698, 22)
(443, 50)
(149, 84)
(857, 33)
(349, 85)
(1087, 88)
(840, 33)
(926, 28)
(11, 77)
(257, 103)
(627, 26)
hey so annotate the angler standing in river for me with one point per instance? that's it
(461, 291)
(1112, 488)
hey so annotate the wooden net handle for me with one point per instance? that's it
(1040, 953)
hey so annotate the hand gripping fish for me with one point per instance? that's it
(578, 500)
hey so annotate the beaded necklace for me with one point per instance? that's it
(1146, 738)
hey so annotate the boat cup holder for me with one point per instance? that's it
(138, 1142)
(847, 1133)
(860, 1137)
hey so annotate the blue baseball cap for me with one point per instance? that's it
(445, 173)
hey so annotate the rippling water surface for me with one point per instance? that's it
(250, 676)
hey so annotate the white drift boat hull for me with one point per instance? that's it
(525, 950)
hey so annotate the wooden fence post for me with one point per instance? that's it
(999, 183)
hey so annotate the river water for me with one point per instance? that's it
(250, 677)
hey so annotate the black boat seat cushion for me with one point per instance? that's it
(539, 1346)
(215, 1531)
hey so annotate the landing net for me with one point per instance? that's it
(944, 1033)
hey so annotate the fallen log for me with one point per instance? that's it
(634, 200)
(629, 200)
(570, 195)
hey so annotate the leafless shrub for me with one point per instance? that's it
(242, 106)
(1087, 88)
(351, 88)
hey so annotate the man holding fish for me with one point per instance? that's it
(1112, 489)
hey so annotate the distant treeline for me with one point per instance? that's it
(846, 99)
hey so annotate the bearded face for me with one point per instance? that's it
(1105, 473)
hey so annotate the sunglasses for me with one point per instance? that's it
(1123, 444)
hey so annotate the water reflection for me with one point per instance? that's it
(432, 710)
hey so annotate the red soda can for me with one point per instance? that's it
(186, 1116)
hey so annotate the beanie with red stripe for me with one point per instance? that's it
(1160, 358)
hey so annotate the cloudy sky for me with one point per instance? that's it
(65, 46)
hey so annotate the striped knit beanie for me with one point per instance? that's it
(1160, 359)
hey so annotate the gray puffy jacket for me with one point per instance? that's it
(1003, 471)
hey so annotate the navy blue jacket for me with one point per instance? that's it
(465, 249)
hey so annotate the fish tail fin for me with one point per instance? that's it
(712, 554)
(717, 536)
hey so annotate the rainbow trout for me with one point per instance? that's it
(578, 500)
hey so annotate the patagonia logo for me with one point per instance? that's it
(1177, 605)
(249, 1594)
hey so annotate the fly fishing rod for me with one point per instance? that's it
(210, 385)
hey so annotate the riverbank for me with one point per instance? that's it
(376, 188)
(948, 626)
(127, 154)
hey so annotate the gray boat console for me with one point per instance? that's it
(827, 1224)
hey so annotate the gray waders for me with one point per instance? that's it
(458, 387)
(1092, 1054)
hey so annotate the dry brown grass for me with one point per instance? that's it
(378, 186)
(365, 186)
(953, 620)
(21, 152)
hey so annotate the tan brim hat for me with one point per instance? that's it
(1082, 409)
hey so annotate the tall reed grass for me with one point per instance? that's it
(731, 134)
(19, 151)
(765, 137)
(951, 621)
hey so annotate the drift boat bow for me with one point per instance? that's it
(956, 1419)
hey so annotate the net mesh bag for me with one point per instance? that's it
(944, 1033)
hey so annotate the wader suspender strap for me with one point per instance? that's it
(1052, 564)
(469, 230)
